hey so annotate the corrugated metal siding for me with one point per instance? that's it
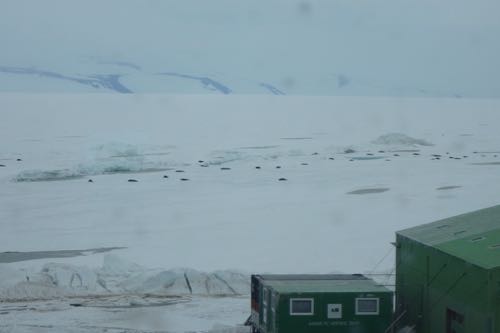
(456, 227)
(430, 283)
(474, 237)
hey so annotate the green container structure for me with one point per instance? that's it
(448, 274)
(319, 304)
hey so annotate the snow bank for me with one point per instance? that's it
(26, 290)
(229, 329)
(116, 277)
(116, 266)
(111, 158)
(47, 175)
(118, 158)
(53, 281)
(183, 281)
(399, 139)
(219, 157)
(73, 279)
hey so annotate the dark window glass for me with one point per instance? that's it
(367, 305)
(301, 306)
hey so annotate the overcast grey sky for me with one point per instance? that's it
(436, 44)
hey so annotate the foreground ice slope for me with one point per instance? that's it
(108, 315)
(336, 211)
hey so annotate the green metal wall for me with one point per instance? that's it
(280, 320)
(431, 285)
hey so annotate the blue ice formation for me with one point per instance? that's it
(207, 82)
(109, 81)
(272, 89)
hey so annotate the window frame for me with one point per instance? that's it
(302, 313)
(364, 313)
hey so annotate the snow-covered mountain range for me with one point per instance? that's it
(306, 47)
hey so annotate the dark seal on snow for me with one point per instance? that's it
(444, 188)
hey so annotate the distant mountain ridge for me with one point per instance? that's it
(118, 76)
(415, 48)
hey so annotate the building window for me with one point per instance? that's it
(301, 306)
(367, 306)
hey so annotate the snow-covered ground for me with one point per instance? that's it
(194, 314)
(171, 255)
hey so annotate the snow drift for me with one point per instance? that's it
(106, 159)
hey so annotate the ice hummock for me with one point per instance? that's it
(400, 139)
(116, 277)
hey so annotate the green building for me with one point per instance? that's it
(448, 274)
(319, 304)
